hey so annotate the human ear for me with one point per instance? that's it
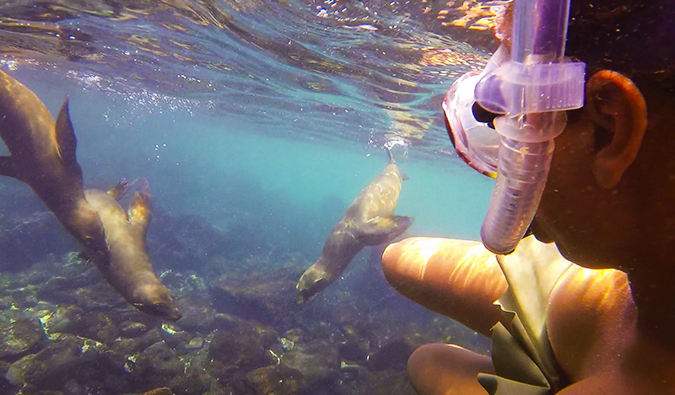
(615, 104)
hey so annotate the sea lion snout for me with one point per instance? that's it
(313, 281)
(155, 299)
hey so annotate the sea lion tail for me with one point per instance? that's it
(66, 142)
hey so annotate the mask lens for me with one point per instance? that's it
(476, 142)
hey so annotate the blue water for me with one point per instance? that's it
(200, 163)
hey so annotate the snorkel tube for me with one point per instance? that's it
(532, 90)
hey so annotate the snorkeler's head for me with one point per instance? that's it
(606, 147)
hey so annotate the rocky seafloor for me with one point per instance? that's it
(64, 330)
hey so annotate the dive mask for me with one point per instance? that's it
(503, 120)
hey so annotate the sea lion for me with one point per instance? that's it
(368, 221)
(128, 268)
(43, 156)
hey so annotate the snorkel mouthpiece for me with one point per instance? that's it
(532, 90)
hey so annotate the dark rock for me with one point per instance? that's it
(23, 298)
(159, 391)
(66, 319)
(58, 290)
(156, 366)
(265, 296)
(72, 387)
(19, 334)
(242, 349)
(226, 321)
(133, 329)
(393, 355)
(198, 315)
(90, 377)
(350, 371)
(116, 383)
(317, 360)
(354, 350)
(100, 327)
(195, 344)
(5, 386)
(57, 363)
(174, 336)
(99, 297)
(138, 344)
(384, 382)
(192, 382)
(275, 380)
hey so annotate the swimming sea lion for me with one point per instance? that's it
(128, 268)
(368, 221)
(43, 156)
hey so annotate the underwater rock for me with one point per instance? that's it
(195, 344)
(173, 336)
(130, 346)
(226, 321)
(384, 382)
(116, 384)
(99, 297)
(349, 370)
(58, 290)
(23, 298)
(74, 320)
(54, 365)
(267, 298)
(317, 360)
(192, 382)
(393, 355)
(72, 387)
(159, 391)
(156, 366)
(275, 380)
(65, 319)
(354, 350)
(242, 349)
(198, 315)
(133, 329)
(19, 334)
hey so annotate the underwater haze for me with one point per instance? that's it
(256, 123)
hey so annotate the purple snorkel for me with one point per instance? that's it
(532, 90)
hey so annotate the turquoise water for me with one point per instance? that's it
(196, 162)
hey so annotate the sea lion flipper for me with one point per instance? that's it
(121, 189)
(378, 230)
(139, 211)
(66, 141)
(8, 169)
